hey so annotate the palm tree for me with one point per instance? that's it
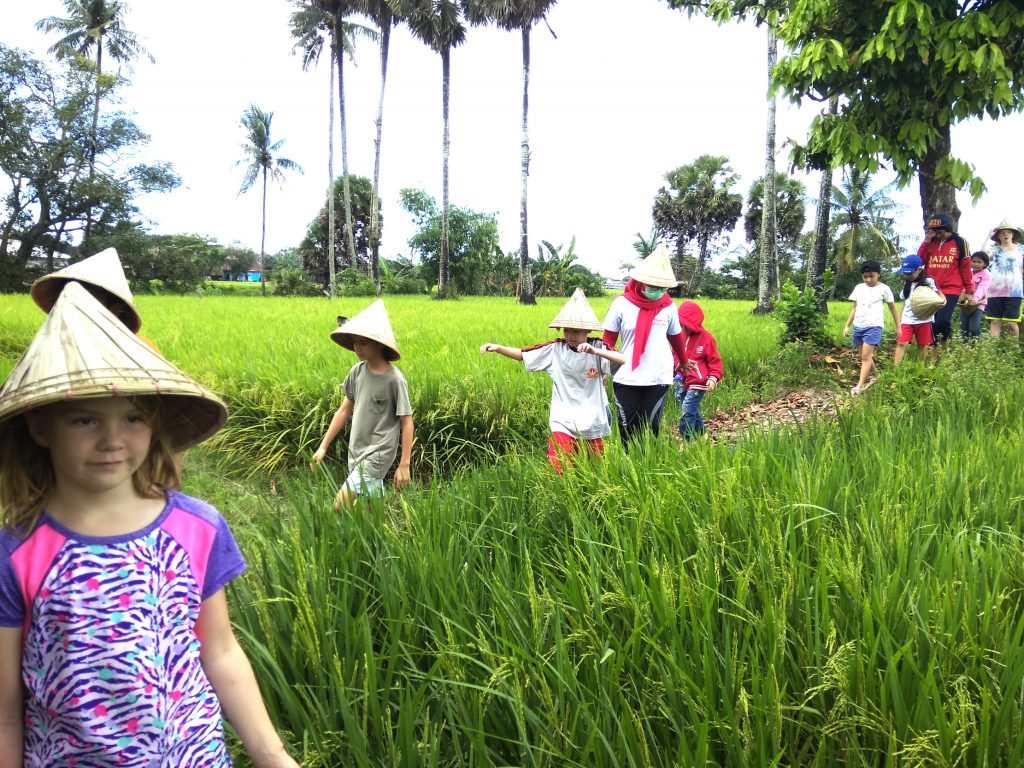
(382, 14)
(262, 161)
(309, 25)
(700, 205)
(93, 25)
(438, 23)
(865, 218)
(521, 16)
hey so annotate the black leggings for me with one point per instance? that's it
(942, 323)
(639, 407)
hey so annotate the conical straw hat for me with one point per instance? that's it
(82, 351)
(577, 314)
(656, 269)
(101, 271)
(371, 323)
(1007, 224)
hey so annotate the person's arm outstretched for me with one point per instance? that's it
(12, 707)
(513, 353)
(341, 417)
(611, 355)
(404, 472)
(231, 676)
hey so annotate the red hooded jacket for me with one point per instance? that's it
(948, 263)
(700, 360)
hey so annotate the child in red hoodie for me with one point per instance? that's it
(698, 372)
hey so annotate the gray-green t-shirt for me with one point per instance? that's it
(379, 401)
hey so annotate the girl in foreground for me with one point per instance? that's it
(115, 642)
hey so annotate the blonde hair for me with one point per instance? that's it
(27, 479)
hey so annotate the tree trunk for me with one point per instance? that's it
(346, 192)
(937, 195)
(698, 271)
(768, 258)
(819, 255)
(525, 277)
(385, 42)
(263, 237)
(95, 132)
(442, 277)
(331, 288)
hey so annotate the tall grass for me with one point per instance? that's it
(845, 593)
(276, 366)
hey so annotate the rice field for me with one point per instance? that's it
(843, 593)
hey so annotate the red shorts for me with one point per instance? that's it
(920, 332)
(562, 444)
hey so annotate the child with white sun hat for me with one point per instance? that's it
(377, 403)
(578, 367)
(104, 563)
(645, 320)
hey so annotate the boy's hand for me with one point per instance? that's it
(846, 330)
(586, 348)
(318, 456)
(712, 383)
(488, 348)
(402, 476)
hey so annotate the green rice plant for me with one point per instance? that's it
(848, 592)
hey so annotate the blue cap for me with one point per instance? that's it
(911, 264)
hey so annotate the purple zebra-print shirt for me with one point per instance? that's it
(110, 658)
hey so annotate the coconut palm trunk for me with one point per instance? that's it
(346, 191)
(443, 269)
(819, 254)
(263, 237)
(768, 258)
(525, 276)
(385, 43)
(331, 236)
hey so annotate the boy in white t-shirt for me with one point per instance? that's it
(868, 319)
(577, 367)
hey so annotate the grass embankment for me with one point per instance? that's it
(845, 593)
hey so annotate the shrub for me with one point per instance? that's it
(293, 282)
(352, 282)
(801, 320)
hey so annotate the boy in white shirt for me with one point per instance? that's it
(868, 319)
(577, 367)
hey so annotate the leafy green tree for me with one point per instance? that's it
(438, 24)
(262, 162)
(238, 259)
(157, 263)
(91, 27)
(903, 72)
(790, 212)
(472, 240)
(698, 204)
(45, 140)
(314, 250)
(518, 16)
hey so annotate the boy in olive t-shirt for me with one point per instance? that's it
(377, 402)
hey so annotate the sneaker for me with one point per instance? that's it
(855, 391)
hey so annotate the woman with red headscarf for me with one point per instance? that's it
(646, 320)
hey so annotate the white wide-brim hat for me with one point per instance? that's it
(577, 314)
(371, 323)
(656, 269)
(1007, 224)
(83, 352)
(103, 271)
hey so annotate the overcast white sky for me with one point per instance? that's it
(617, 100)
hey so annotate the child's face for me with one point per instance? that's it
(574, 337)
(95, 445)
(367, 349)
(870, 278)
(913, 275)
(978, 264)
